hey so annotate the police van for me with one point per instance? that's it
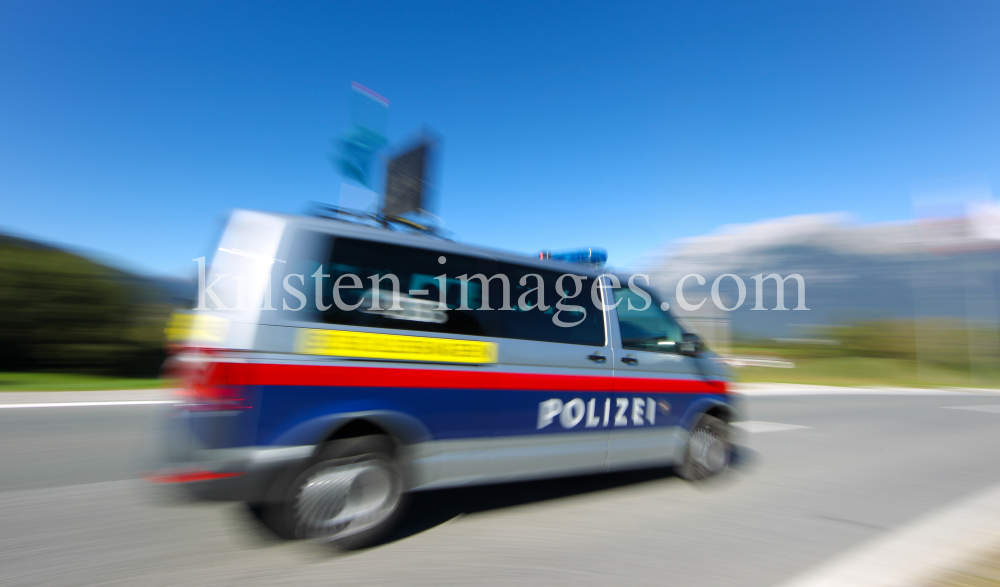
(332, 368)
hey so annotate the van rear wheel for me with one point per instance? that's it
(708, 449)
(351, 495)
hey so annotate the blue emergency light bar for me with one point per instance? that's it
(588, 256)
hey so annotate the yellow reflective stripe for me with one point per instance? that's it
(367, 345)
(194, 327)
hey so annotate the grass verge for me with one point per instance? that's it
(984, 572)
(73, 382)
(863, 371)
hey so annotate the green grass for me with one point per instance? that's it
(861, 371)
(73, 382)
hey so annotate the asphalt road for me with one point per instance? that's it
(73, 513)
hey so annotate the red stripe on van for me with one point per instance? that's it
(656, 385)
(344, 376)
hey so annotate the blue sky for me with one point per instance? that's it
(129, 129)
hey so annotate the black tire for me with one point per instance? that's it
(708, 449)
(350, 495)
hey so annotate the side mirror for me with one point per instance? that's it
(691, 345)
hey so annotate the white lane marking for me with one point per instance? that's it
(86, 404)
(916, 552)
(753, 427)
(993, 409)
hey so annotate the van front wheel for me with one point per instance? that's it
(708, 449)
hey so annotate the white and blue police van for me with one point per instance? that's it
(332, 368)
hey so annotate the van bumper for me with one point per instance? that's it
(238, 474)
(245, 473)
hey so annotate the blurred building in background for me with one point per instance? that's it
(935, 283)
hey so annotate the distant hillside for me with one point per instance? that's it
(64, 312)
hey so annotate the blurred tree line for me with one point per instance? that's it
(62, 313)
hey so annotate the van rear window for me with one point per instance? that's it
(446, 293)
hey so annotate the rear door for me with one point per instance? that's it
(653, 382)
(422, 355)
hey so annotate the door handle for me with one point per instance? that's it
(630, 360)
(597, 358)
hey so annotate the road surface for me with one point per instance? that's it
(819, 474)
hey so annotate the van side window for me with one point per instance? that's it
(422, 283)
(532, 288)
(433, 298)
(644, 326)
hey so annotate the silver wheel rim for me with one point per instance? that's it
(708, 452)
(341, 500)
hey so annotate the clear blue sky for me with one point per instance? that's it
(129, 129)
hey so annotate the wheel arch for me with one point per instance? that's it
(402, 428)
(710, 406)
